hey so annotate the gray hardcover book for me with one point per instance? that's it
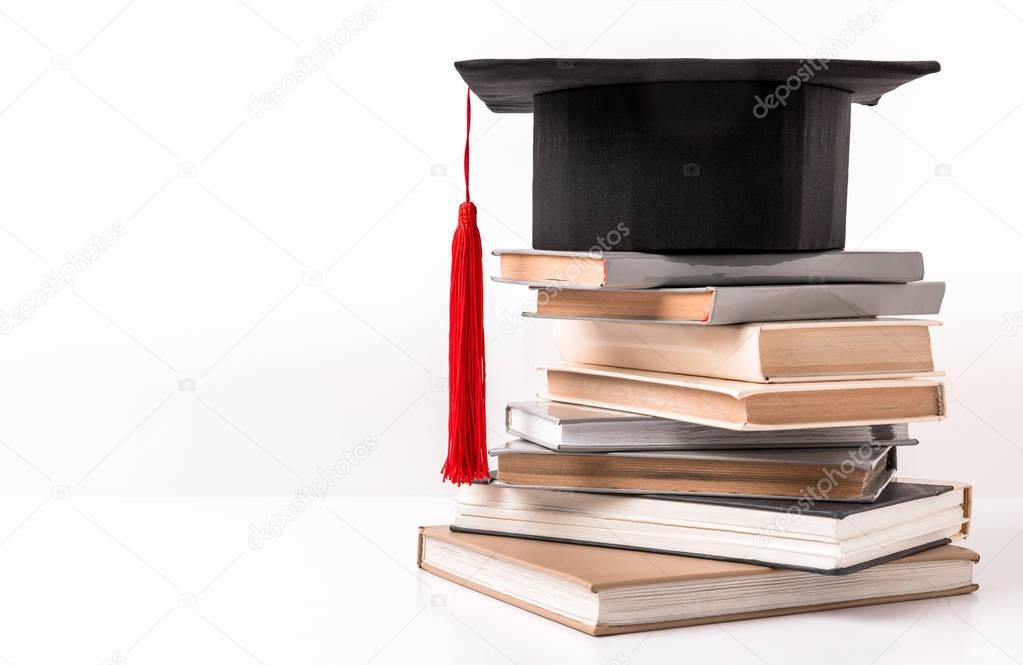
(636, 270)
(576, 428)
(749, 304)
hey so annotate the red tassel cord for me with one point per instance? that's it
(467, 426)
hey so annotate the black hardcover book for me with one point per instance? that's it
(803, 534)
(896, 493)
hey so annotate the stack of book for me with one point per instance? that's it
(721, 442)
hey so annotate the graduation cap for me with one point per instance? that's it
(688, 155)
(665, 156)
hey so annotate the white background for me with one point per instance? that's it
(102, 109)
(278, 300)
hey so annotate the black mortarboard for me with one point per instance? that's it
(685, 155)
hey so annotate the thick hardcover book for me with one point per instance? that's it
(576, 428)
(742, 405)
(808, 533)
(758, 352)
(637, 270)
(603, 591)
(857, 474)
(742, 304)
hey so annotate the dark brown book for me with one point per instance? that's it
(853, 473)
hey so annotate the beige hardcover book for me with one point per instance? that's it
(758, 352)
(605, 591)
(742, 405)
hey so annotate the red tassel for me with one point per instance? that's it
(467, 425)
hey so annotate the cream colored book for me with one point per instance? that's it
(742, 405)
(758, 352)
(603, 591)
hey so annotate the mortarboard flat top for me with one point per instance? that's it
(508, 86)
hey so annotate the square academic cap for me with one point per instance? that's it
(687, 155)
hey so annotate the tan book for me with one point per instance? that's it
(604, 591)
(741, 405)
(758, 352)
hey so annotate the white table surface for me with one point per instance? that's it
(126, 581)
